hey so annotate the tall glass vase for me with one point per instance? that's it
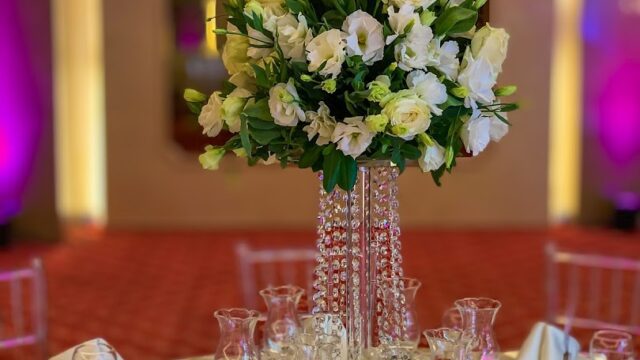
(359, 246)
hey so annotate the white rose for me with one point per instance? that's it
(257, 38)
(284, 104)
(234, 53)
(413, 51)
(327, 48)
(498, 127)
(432, 157)
(322, 124)
(365, 37)
(232, 108)
(478, 78)
(476, 133)
(211, 116)
(293, 36)
(415, 3)
(491, 44)
(428, 88)
(408, 114)
(352, 136)
(447, 58)
(400, 21)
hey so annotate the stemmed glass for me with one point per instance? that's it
(94, 351)
(611, 345)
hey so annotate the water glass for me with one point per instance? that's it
(445, 343)
(611, 345)
(94, 351)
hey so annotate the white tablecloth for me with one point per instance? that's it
(511, 355)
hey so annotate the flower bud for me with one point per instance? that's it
(240, 152)
(377, 123)
(460, 92)
(210, 159)
(194, 96)
(379, 88)
(253, 7)
(306, 78)
(506, 90)
(329, 85)
(427, 18)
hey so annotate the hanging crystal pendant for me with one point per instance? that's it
(359, 246)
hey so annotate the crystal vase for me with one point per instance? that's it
(237, 328)
(359, 246)
(478, 317)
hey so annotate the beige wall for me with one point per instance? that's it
(152, 183)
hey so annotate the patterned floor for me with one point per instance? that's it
(152, 295)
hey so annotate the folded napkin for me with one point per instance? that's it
(546, 342)
(68, 354)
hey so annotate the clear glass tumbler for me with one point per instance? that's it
(237, 327)
(612, 345)
(283, 324)
(94, 351)
(478, 317)
(445, 343)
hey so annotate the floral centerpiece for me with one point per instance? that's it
(326, 83)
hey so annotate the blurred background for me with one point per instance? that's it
(99, 174)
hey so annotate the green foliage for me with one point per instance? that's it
(454, 20)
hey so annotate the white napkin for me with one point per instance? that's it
(68, 354)
(546, 342)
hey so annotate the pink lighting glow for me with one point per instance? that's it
(20, 115)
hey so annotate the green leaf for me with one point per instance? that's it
(244, 136)
(262, 78)
(455, 20)
(296, 6)
(331, 168)
(398, 159)
(259, 110)
(310, 156)
(411, 151)
(195, 108)
(264, 137)
(348, 172)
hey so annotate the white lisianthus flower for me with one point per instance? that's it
(327, 48)
(432, 158)
(211, 116)
(322, 124)
(232, 107)
(491, 44)
(293, 36)
(478, 79)
(408, 114)
(428, 88)
(352, 136)
(498, 127)
(257, 38)
(447, 60)
(401, 21)
(284, 104)
(234, 53)
(365, 37)
(210, 159)
(272, 159)
(476, 133)
(273, 7)
(413, 51)
(415, 3)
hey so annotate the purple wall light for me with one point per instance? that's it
(20, 111)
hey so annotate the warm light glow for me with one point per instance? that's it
(79, 110)
(211, 47)
(566, 113)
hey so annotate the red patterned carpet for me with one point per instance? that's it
(152, 295)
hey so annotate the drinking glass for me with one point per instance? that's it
(237, 327)
(94, 351)
(445, 343)
(283, 324)
(478, 317)
(611, 345)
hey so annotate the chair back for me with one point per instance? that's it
(262, 268)
(592, 291)
(26, 323)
